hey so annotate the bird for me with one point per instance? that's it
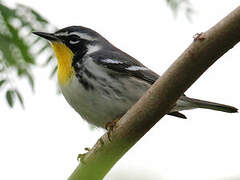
(101, 82)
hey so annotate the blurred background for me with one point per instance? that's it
(41, 135)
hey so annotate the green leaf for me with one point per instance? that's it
(177, 5)
(18, 45)
(53, 72)
(10, 97)
(49, 59)
(2, 82)
(30, 80)
(38, 39)
(43, 48)
(19, 96)
(2, 69)
(21, 45)
(6, 50)
(38, 17)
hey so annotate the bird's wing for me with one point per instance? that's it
(124, 64)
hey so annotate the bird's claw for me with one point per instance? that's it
(109, 126)
(80, 157)
(199, 36)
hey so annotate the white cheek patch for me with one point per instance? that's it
(110, 61)
(137, 68)
(93, 48)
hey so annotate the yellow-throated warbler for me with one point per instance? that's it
(102, 82)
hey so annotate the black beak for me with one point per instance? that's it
(48, 36)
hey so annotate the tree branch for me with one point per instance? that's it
(158, 100)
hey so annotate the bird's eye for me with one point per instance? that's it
(74, 40)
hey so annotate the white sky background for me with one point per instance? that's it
(43, 141)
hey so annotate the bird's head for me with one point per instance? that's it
(76, 38)
(69, 42)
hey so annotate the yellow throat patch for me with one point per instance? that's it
(64, 56)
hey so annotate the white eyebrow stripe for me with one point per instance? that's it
(137, 68)
(62, 34)
(112, 61)
(80, 35)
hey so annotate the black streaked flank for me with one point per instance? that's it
(81, 70)
(86, 84)
(89, 74)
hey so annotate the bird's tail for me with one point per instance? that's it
(211, 105)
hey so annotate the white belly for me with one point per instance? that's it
(109, 98)
(104, 103)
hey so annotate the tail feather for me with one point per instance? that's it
(211, 105)
(177, 114)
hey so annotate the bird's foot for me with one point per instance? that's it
(109, 126)
(199, 36)
(80, 157)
